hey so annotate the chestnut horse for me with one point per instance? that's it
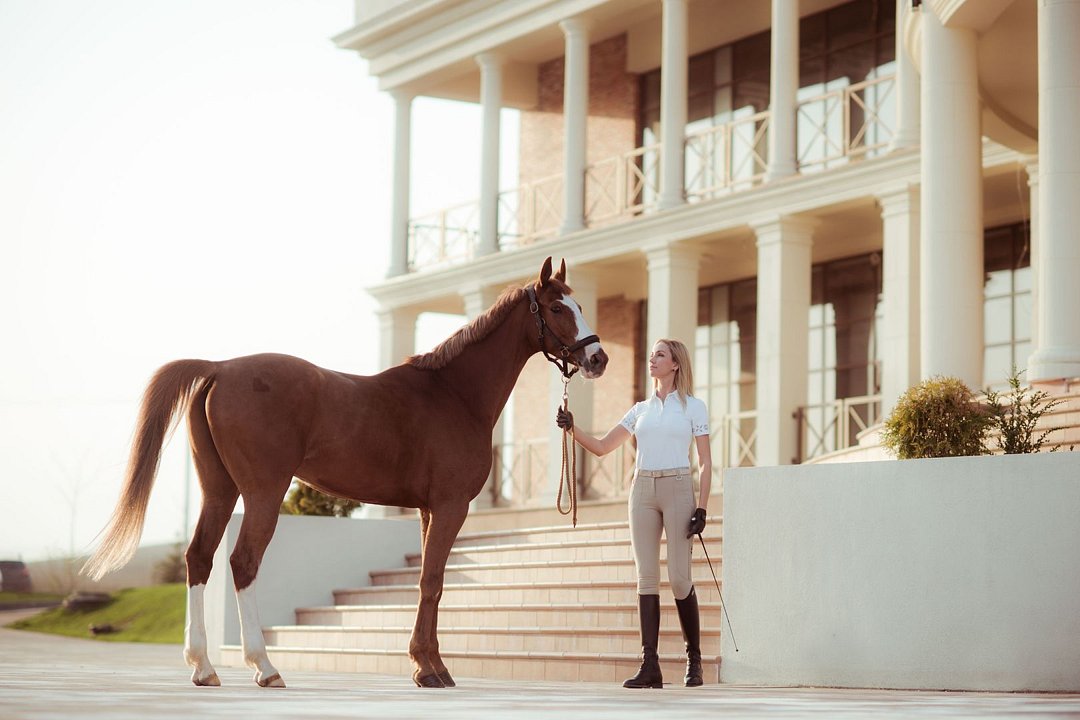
(417, 435)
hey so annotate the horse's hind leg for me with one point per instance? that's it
(260, 520)
(442, 525)
(219, 498)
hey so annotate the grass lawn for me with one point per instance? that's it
(149, 614)
(14, 598)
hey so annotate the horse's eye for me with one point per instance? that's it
(556, 308)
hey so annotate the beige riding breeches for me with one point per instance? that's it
(662, 501)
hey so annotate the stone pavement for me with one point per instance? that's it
(46, 677)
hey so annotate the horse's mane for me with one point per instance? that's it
(475, 331)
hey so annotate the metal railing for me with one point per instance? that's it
(845, 124)
(832, 426)
(726, 158)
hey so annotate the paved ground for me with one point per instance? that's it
(45, 676)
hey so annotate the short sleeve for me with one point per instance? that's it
(699, 418)
(629, 420)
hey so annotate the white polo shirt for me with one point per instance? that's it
(665, 430)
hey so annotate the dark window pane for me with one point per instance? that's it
(751, 57)
(812, 71)
(812, 36)
(851, 23)
(854, 63)
(886, 15)
(752, 93)
(700, 74)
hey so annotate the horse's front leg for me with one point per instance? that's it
(442, 529)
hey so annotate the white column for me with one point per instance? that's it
(575, 114)
(900, 291)
(951, 257)
(673, 294)
(907, 86)
(783, 87)
(491, 106)
(397, 335)
(581, 392)
(1057, 354)
(783, 325)
(399, 220)
(673, 102)
(478, 298)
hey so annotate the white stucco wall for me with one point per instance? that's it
(307, 559)
(957, 573)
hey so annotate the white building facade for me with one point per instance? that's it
(827, 201)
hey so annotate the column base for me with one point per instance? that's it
(1051, 364)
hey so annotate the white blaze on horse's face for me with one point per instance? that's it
(584, 331)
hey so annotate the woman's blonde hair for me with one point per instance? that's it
(684, 374)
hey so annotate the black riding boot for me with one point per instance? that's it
(649, 615)
(691, 630)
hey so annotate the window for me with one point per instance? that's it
(1007, 306)
(725, 367)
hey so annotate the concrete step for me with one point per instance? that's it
(534, 593)
(560, 533)
(539, 572)
(621, 615)
(571, 548)
(569, 667)
(562, 639)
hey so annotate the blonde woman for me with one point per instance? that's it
(662, 499)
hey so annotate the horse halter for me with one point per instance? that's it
(565, 351)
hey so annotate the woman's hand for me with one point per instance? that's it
(697, 523)
(564, 419)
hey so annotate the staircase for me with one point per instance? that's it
(526, 597)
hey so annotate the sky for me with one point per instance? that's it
(183, 179)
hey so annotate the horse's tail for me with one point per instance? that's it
(170, 390)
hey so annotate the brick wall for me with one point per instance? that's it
(613, 111)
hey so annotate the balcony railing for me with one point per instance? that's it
(833, 128)
(445, 237)
(832, 426)
(738, 439)
(727, 158)
(520, 471)
(845, 124)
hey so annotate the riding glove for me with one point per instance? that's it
(564, 419)
(697, 523)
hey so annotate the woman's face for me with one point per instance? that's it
(661, 364)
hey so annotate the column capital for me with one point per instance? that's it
(666, 253)
(575, 26)
(490, 59)
(401, 95)
(1031, 167)
(784, 228)
(898, 199)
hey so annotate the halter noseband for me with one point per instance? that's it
(565, 351)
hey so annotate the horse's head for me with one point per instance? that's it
(565, 334)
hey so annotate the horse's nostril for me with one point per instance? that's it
(595, 359)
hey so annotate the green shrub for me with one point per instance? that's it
(939, 417)
(302, 499)
(1017, 420)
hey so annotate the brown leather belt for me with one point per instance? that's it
(670, 472)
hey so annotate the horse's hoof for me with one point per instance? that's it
(211, 680)
(274, 681)
(447, 681)
(428, 681)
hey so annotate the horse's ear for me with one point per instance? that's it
(545, 273)
(561, 275)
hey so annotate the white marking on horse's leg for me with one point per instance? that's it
(251, 639)
(195, 639)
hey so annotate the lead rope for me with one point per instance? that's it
(568, 471)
